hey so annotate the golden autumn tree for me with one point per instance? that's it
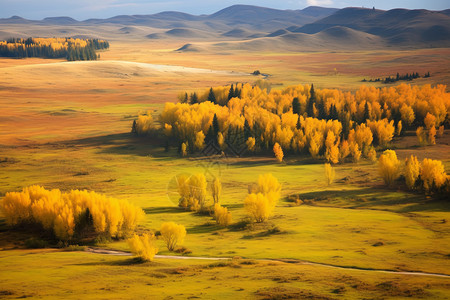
(412, 171)
(199, 143)
(216, 190)
(432, 173)
(258, 207)
(222, 215)
(192, 190)
(388, 166)
(430, 125)
(332, 149)
(278, 152)
(173, 234)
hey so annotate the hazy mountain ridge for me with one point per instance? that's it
(245, 26)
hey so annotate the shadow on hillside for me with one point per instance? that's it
(381, 199)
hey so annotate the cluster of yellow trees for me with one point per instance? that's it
(67, 215)
(262, 198)
(144, 246)
(327, 123)
(193, 196)
(259, 203)
(429, 175)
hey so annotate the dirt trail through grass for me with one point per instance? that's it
(294, 261)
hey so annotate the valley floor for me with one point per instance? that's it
(68, 126)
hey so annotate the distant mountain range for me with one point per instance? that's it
(252, 26)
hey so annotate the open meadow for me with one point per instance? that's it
(67, 125)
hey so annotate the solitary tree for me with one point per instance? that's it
(388, 165)
(172, 234)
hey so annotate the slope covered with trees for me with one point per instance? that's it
(328, 123)
(69, 48)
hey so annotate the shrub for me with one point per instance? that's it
(143, 246)
(251, 142)
(372, 155)
(388, 166)
(216, 190)
(269, 186)
(258, 207)
(399, 128)
(412, 171)
(172, 234)
(329, 173)
(62, 213)
(440, 132)
(184, 149)
(221, 214)
(278, 152)
(199, 143)
(354, 150)
(35, 243)
(192, 190)
(421, 136)
(144, 124)
(344, 151)
(433, 174)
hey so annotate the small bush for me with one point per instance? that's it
(35, 243)
(143, 247)
(172, 234)
(222, 216)
(330, 174)
(258, 207)
(278, 151)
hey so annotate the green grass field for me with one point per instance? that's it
(76, 136)
(356, 222)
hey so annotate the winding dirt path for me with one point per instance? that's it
(294, 261)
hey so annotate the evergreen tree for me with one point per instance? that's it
(210, 136)
(231, 93)
(215, 125)
(296, 106)
(211, 96)
(247, 130)
(194, 98)
(366, 113)
(311, 102)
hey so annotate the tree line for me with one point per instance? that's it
(326, 123)
(398, 77)
(70, 48)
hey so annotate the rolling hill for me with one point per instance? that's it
(397, 26)
(257, 28)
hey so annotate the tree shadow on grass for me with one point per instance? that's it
(163, 210)
(126, 144)
(120, 262)
(204, 228)
(381, 199)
